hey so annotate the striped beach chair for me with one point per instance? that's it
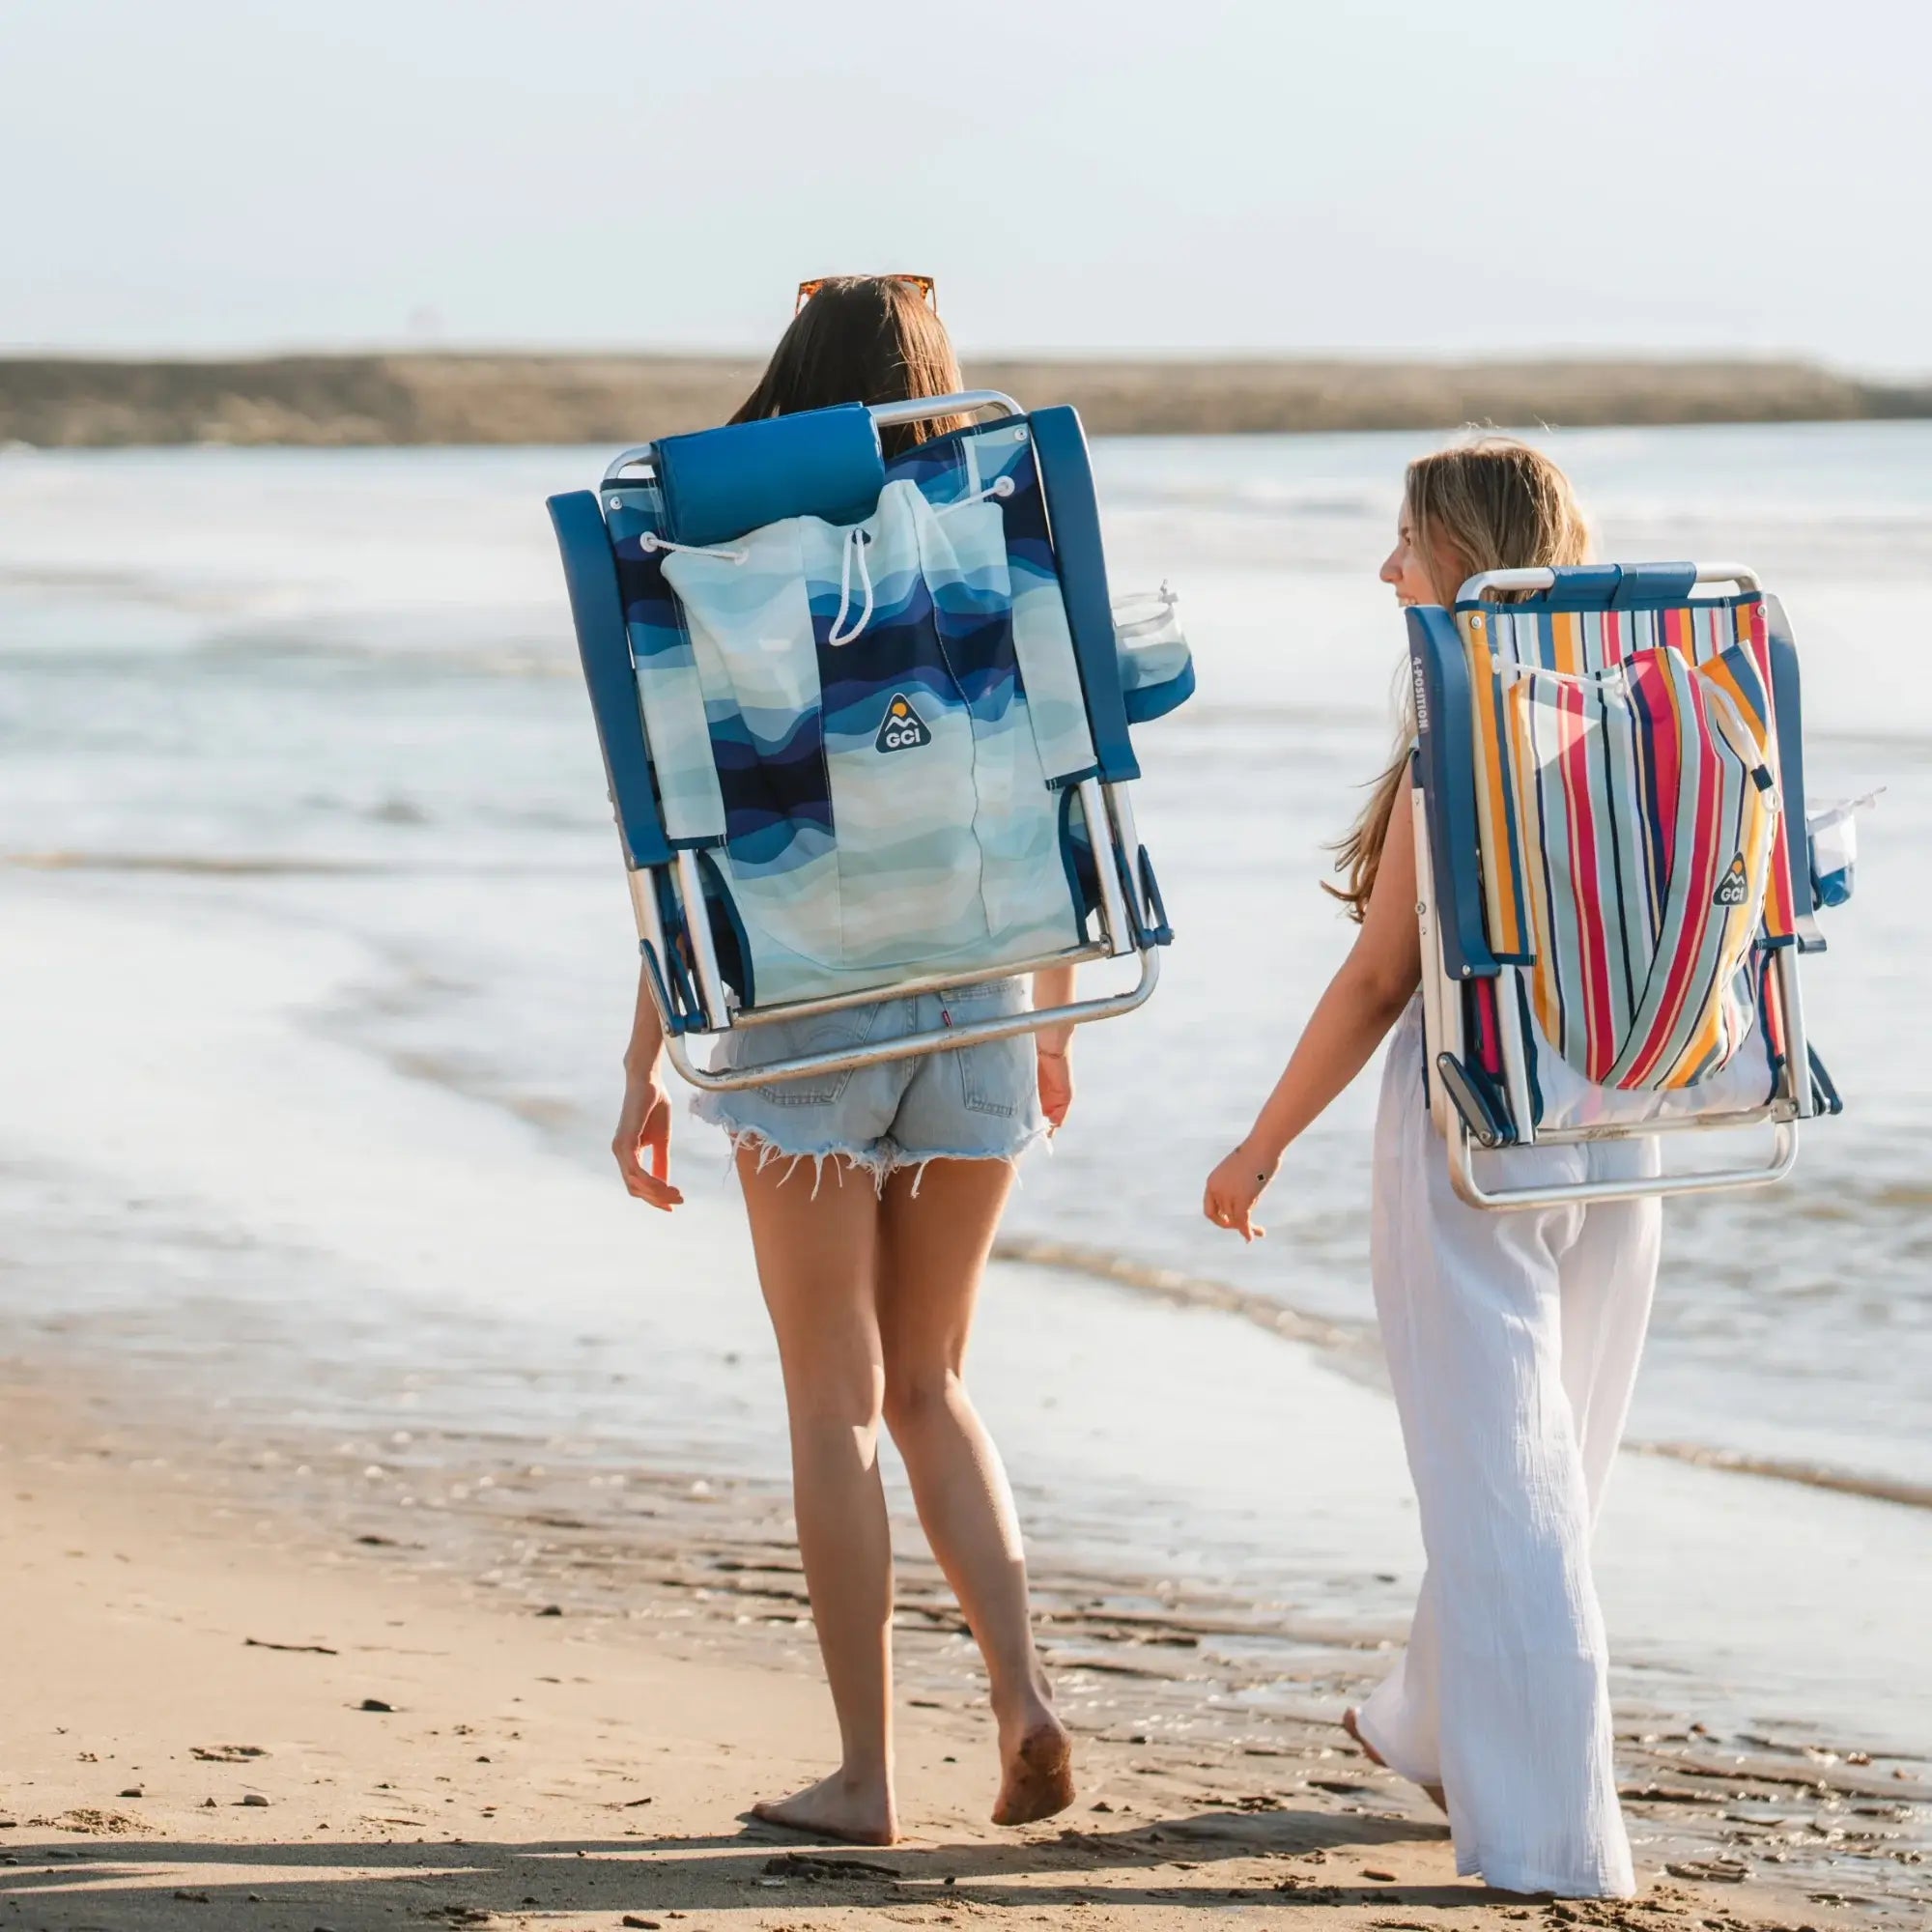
(867, 720)
(1608, 871)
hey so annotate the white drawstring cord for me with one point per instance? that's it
(650, 541)
(1000, 486)
(855, 546)
(856, 541)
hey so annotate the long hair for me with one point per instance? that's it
(1492, 503)
(861, 339)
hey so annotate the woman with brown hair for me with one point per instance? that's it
(873, 1198)
(1512, 1339)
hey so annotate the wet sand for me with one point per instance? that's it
(227, 1712)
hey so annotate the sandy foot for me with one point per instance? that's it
(835, 1807)
(1037, 1780)
(1349, 1723)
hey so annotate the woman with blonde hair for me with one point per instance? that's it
(1512, 1339)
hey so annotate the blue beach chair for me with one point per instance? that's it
(1607, 792)
(865, 720)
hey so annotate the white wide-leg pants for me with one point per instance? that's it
(1513, 1341)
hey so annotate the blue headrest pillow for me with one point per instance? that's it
(719, 483)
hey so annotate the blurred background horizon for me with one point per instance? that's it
(1499, 180)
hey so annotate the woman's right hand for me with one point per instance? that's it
(642, 1144)
(1233, 1188)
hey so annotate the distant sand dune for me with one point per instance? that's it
(337, 400)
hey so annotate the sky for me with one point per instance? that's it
(1503, 176)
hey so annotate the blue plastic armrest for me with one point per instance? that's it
(1788, 702)
(1067, 477)
(597, 607)
(1445, 757)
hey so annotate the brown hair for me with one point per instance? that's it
(861, 339)
(1489, 504)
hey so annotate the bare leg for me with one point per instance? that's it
(933, 1249)
(816, 1239)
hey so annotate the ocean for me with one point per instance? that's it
(335, 694)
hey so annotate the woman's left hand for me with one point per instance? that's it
(1056, 1086)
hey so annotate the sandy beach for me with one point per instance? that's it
(227, 1715)
(229, 1532)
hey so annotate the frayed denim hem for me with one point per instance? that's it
(868, 1161)
(881, 1161)
(900, 1159)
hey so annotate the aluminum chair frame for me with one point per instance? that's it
(1132, 918)
(1443, 1015)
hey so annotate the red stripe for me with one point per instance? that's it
(1654, 693)
(1780, 892)
(1592, 931)
(1709, 863)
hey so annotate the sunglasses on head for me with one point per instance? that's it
(923, 283)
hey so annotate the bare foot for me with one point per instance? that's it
(1036, 1776)
(1350, 1724)
(835, 1807)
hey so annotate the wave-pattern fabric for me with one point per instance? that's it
(1632, 849)
(670, 696)
(1646, 806)
(875, 771)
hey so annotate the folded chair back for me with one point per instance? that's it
(1601, 771)
(883, 711)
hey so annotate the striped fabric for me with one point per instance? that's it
(1645, 809)
(873, 773)
(1582, 642)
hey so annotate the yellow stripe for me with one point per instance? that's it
(1505, 930)
(1567, 629)
(1721, 674)
(1543, 996)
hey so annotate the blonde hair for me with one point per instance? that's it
(1489, 503)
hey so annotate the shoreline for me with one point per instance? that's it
(482, 396)
(197, 1635)
(1356, 1346)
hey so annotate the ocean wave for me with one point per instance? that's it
(1356, 1341)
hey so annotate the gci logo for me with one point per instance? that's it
(903, 727)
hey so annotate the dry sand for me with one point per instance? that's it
(223, 1712)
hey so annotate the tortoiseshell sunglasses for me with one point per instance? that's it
(925, 284)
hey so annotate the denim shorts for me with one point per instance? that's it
(974, 1103)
